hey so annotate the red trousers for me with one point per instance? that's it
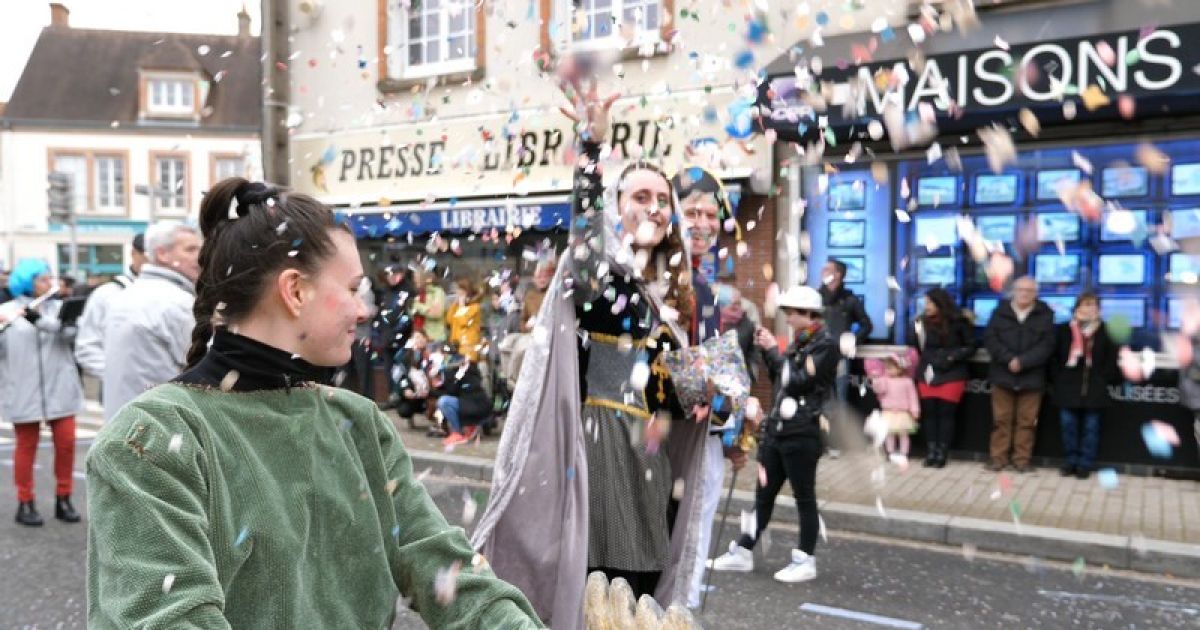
(63, 430)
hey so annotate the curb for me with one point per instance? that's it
(1118, 552)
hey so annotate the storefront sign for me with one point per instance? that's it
(382, 222)
(499, 156)
(1139, 63)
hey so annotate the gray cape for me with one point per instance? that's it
(534, 530)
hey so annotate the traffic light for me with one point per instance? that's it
(60, 195)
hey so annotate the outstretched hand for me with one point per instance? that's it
(586, 105)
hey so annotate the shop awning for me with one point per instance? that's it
(382, 222)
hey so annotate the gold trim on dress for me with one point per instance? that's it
(615, 340)
(636, 412)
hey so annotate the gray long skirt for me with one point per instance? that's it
(628, 493)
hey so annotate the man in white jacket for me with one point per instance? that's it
(89, 341)
(149, 329)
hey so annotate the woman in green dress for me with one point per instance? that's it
(247, 493)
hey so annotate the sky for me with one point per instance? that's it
(24, 19)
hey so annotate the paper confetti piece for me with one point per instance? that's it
(168, 582)
(445, 584)
(230, 379)
(176, 442)
(1107, 477)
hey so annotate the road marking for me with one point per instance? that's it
(1187, 609)
(878, 620)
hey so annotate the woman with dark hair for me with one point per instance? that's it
(1084, 365)
(585, 473)
(247, 492)
(945, 340)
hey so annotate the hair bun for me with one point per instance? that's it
(250, 194)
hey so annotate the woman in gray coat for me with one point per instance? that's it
(38, 382)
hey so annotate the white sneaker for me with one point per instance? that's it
(738, 558)
(802, 569)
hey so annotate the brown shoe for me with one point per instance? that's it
(1025, 468)
(994, 466)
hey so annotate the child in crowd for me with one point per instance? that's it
(899, 404)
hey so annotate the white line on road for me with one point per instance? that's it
(1187, 609)
(878, 620)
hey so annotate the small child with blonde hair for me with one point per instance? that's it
(898, 402)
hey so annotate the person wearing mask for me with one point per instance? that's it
(1020, 339)
(465, 319)
(803, 378)
(89, 342)
(203, 489)
(844, 313)
(429, 306)
(148, 329)
(945, 341)
(38, 383)
(1084, 365)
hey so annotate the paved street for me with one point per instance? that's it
(905, 585)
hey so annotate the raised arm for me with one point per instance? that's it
(590, 114)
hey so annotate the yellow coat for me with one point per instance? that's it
(466, 328)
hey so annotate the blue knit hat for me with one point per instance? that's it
(20, 281)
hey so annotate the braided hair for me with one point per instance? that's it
(252, 231)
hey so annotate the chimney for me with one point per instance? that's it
(243, 22)
(59, 15)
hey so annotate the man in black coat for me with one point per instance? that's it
(844, 312)
(1020, 340)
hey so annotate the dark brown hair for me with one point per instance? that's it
(679, 291)
(252, 231)
(948, 313)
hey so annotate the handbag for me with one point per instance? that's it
(718, 361)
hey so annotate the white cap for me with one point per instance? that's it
(802, 299)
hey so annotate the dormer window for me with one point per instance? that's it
(173, 95)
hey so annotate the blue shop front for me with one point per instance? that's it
(1139, 251)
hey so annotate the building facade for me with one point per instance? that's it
(141, 129)
(436, 127)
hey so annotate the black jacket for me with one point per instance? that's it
(791, 379)
(1083, 387)
(943, 355)
(843, 309)
(474, 406)
(1031, 341)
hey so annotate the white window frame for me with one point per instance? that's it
(117, 190)
(166, 94)
(175, 198)
(79, 191)
(398, 42)
(643, 36)
(240, 171)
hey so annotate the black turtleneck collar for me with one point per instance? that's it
(258, 366)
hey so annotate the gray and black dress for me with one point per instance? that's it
(629, 489)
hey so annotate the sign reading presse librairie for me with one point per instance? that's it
(510, 154)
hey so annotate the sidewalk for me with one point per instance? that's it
(1144, 523)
